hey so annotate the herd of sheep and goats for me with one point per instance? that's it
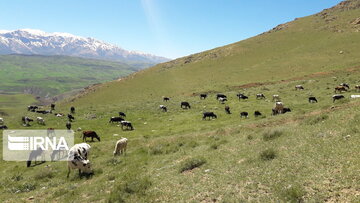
(77, 155)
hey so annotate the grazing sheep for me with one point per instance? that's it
(203, 96)
(227, 109)
(257, 113)
(77, 159)
(260, 96)
(91, 134)
(242, 96)
(276, 97)
(166, 99)
(286, 110)
(337, 97)
(299, 87)
(357, 88)
(222, 100)
(70, 117)
(220, 96)
(120, 147)
(83, 165)
(345, 85)
(59, 114)
(3, 127)
(163, 108)
(32, 108)
(115, 119)
(72, 110)
(279, 107)
(68, 125)
(185, 105)
(40, 120)
(244, 114)
(340, 89)
(44, 111)
(126, 124)
(26, 120)
(122, 114)
(209, 115)
(312, 100)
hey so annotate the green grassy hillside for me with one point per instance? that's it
(52, 75)
(319, 43)
(307, 155)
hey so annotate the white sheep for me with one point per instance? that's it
(40, 120)
(276, 97)
(120, 146)
(77, 158)
(279, 107)
(299, 87)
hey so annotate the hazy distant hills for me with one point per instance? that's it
(47, 76)
(37, 42)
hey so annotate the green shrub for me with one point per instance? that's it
(293, 194)
(16, 177)
(25, 187)
(268, 154)
(191, 163)
(111, 177)
(214, 145)
(137, 186)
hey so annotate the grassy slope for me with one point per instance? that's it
(306, 46)
(315, 159)
(56, 74)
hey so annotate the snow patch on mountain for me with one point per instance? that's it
(38, 42)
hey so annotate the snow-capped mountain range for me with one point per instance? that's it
(37, 42)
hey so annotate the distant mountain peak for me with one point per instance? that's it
(32, 41)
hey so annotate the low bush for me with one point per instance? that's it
(191, 163)
(268, 154)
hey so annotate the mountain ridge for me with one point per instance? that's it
(37, 42)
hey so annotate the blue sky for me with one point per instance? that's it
(170, 28)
